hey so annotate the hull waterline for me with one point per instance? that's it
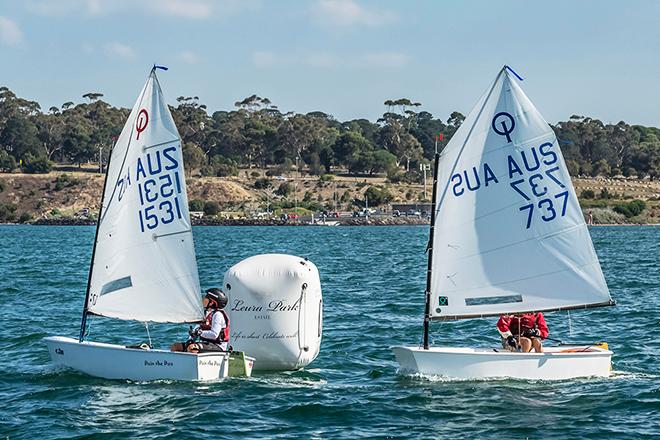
(555, 363)
(111, 361)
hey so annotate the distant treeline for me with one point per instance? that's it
(258, 134)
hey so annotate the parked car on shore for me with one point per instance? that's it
(364, 213)
(82, 213)
(262, 215)
(413, 213)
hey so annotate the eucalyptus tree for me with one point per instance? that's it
(455, 120)
(253, 104)
(372, 161)
(18, 132)
(192, 120)
(19, 136)
(304, 135)
(348, 146)
(395, 135)
(425, 131)
(226, 136)
(92, 96)
(622, 139)
(644, 157)
(369, 130)
(397, 140)
(262, 121)
(50, 127)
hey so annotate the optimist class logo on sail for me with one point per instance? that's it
(533, 173)
(141, 122)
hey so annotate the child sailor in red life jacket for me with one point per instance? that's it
(523, 332)
(213, 332)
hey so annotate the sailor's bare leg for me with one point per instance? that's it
(537, 344)
(177, 346)
(525, 344)
(193, 348)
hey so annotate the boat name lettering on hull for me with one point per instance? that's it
(209, 363)
(162, 363)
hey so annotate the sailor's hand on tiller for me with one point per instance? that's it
(531, 333)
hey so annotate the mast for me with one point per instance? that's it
(83, 321)
(429, 249)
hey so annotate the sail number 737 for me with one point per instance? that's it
(539, 188)
(547, 207)
(534, 174)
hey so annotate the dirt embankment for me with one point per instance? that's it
(73, 196)
(76, 194)
(61, 196)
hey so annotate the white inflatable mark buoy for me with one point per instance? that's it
(276, 310)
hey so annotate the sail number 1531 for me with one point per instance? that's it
(159, 200)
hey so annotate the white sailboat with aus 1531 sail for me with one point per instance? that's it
(143, 264)
(507, 236)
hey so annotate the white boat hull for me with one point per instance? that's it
(555, 363)
(118, 362)
(328, 223)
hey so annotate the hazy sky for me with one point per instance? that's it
(344, 57)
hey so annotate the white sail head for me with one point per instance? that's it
(145, 266)
(509, 234)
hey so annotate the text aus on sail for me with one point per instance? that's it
(157, 174)
(532, 171)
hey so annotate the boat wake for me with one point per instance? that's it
(630, 375)
(292, 379)
(420, 377)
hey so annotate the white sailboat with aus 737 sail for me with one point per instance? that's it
(143, 263)
(507, 236)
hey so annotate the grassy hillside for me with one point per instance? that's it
(67, 193)
(62, 194)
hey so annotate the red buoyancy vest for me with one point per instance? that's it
(518, 324)
(208, 321)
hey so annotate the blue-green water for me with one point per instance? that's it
(373, 279)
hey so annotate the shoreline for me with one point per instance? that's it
(282, 223)
(385, 221)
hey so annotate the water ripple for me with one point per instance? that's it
(373, 283)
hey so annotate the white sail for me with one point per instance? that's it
(145, 267)
(509, 233)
